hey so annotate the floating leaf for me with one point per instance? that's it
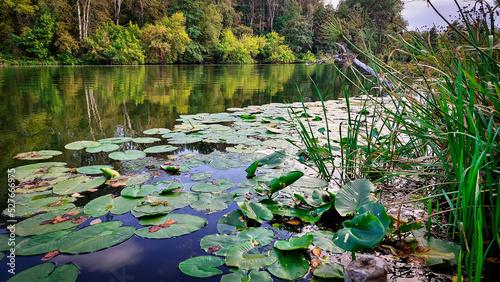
(185, 224)
(216, 185)
(43, 272)
(92, 169)
(32, 226)
(138, 191)
(166, 186)
(41, 244)
(99, 206)
(220, 163)
(231, 222)
(211, 202)
(246, 256)
(115, 140)
(110, 172)
(200, 176)
(103, 148)
(330, 270)
(127, 155)
(361, 232)
(156, 131)
(323, 240)
(251, 169)
(146, 140)
(437, 251)
(223, 242)
(290, 266)
(354, 195)
(78, 145)
(78, 184)
(37, 155)
(263, 236)
(96, 237)
(95, 221)
(284, 180)
(294, 243)
(241, 276)
(165, 204)
(29, 172)
(256, 211)
(201, 267)
(160, 149)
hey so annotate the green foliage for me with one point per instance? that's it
(113, 44)
(231, 50)
(275, 51)
(166, 40)
(297, 30)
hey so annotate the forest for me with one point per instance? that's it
(189, 31)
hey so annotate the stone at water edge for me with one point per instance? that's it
(367, 269)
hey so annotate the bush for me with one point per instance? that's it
(275, 51)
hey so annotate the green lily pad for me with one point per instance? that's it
(290, 266)
(136, 191)
(310, 182)
(202, 267)
(221, 163)
(41, 244)
(127, 155)
(43, 272)
(160, 149)
(185, 224)
(246, 256)
(232, 222)
(28, 211)
(157, 131)
(130, 179)
(123, 205)
(34, 226)
(44, 182)
(96, 237)
(323, 240)
(353, 195)
(216, 185)
(212, 202)
(103, 148)
(294, 243)
(200, 176)
(251, 169)
(241, 276)
(99, 206)
(166, 186)
(241, 149)
(256, 211)
(330, 270)
(146, 140)
(92, 169)
(273, 160)
(263, 236)
(220, 244)
(284, 180)
(37, 155)
(78, 145)
(188, 139)
(5, 239)
(31, 170)
(115, 140)
(78, 184)
(361, 232)
(438, 251)
(165, 204)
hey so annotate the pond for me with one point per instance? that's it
(45, 108)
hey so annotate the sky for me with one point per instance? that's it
(418, 14)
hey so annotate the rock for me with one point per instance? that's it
(366, 269)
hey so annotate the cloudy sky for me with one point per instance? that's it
(418, 14)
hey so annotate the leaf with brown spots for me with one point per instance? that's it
(55, 204)
(154, 228)
(420, 249)
(50, 255)
(167, 223)
(80, 219)
(212, 250)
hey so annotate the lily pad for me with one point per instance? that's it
(221, 163)
(78, 145)
(203, 266)
(127, 155)
(262, 236)
(92, 169)
(31, 170)
(138, 191)
(115, 140)
(34, 226)
(361, 232)
(185, 224)
(232, 222)
(122, 205)
(438, 251)
(251, 169)
(43, 272)
(200, 176)
(256, 211)
(188, 139)
(246, 256)
(212, 202)
(146, 140)
(353, 195)
(96, 237)
(103, 148)
(284, 180)
(294, 243)
(99, 206)
(37, 155)
(330, 270)
(130, 179)
(41, 244)
(273, 160)
(160, 149)
(323, 240)
(241, 276)
(166, 186)
(157, 131)
(165, 204)
(290, 266)
(219, 244)
(216, 185)
(78, 184)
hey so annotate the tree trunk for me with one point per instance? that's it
(118, 8)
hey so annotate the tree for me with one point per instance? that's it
(12, 14)
(166, 40)
(297, 30)
(275, 51)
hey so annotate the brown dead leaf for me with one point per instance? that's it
(72, 213)
(168, 223)
(80, 219)
(212, 250)
(95, 221)
(55, 204)
(315, 262)
(76, 195)
(293, 222)
(73, 170)
(154, 228)
(493, 260)
(50, 255)
(92, 190)
(167, 162)
(316, 252)
(118, 184)
(420, 249)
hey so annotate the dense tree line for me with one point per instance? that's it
(187, 31)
